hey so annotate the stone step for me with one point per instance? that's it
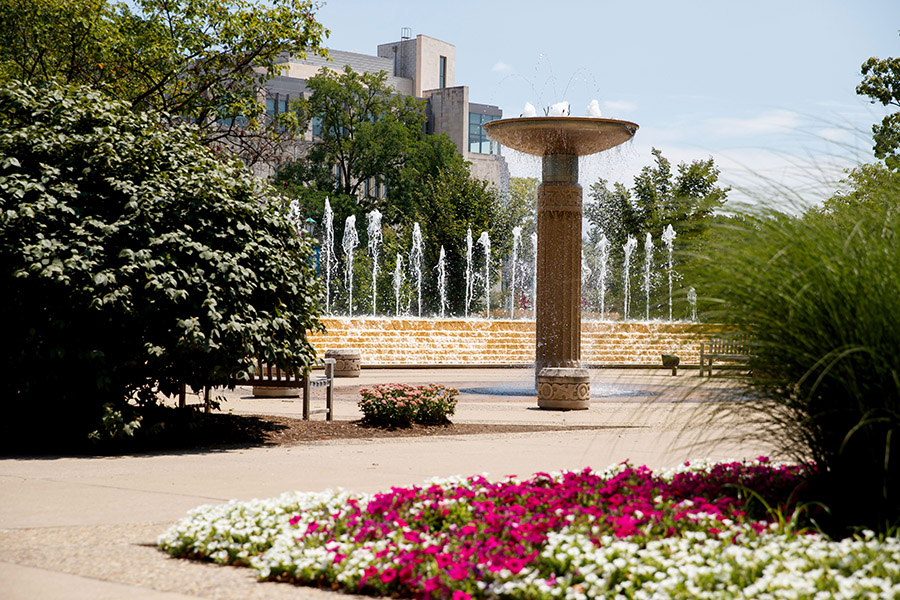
(430, 341)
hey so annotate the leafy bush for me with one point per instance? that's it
(134, 260)
(114, 425)
(820, 294)
(399, 405)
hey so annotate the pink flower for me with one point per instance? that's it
(389, 575)
(412, 536)
(443, 560)
(432, 584)
(458, 572)
(460, 595)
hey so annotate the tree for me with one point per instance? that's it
(868, 185)
(611, 212)
(881, 83)
(447, 203)
(522, 203)
(686, 199)
(363, 131)
(366, 133)
(134, 260)
(658, 198)
(200, 61)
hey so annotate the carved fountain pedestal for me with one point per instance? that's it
(562, 384)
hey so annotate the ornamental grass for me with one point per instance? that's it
(819, 294)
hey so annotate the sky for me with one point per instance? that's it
(765, 88)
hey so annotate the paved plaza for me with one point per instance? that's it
(86, 527)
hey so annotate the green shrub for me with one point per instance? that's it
(399, 405)
(133, 260)
(820, 295)
(114, 425)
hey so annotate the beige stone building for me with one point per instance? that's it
(423, 67)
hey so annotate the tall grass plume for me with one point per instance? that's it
(820, 296)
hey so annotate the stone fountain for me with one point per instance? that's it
(561, 382)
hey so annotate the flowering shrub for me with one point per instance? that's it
(399, 405)
(697, 532)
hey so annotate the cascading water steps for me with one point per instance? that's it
(399, 342)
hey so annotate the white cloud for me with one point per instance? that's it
(618, 107)
(500, 66)
(838, 135)
(774, 121)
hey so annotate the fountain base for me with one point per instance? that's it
(560, 388)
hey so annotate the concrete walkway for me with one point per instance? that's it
(86, 527)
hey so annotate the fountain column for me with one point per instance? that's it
(561, 382)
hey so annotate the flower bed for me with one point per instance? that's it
(707, 531)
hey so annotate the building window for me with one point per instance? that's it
(278, 104)
(479, 143)
(442, 74)
(239, 122)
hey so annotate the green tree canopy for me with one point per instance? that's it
(364, 131)
(881, 83)
(134, 260)
(366, 136)
(447, 201)
(686, 199)
(201, 61)
(523, 203)
(869, 185)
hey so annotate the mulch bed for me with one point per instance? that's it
(293, 431)
(195, 431)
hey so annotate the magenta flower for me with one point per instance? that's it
(388, 575)
(458, 572)
(515, 565)
(443, 560)
(431, 585)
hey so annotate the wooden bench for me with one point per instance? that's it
(269, 376)
(735, 349)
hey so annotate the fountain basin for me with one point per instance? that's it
(572, 136)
